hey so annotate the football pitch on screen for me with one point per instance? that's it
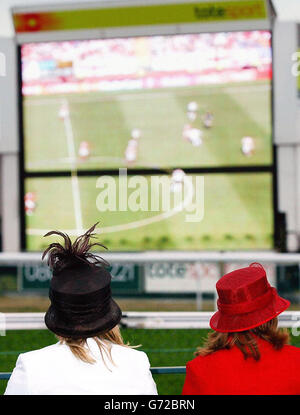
(106, 120)
(232, 218)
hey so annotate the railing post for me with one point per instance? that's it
(198, 290)
(221, 273)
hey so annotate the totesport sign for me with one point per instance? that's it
(90, 18)
(151, 278)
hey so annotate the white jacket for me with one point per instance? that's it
(54, 370)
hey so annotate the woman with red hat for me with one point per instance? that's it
(246, 354)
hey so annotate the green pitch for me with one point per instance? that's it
(105, 121)
(237, 215)
(163, 347)
(237, 207)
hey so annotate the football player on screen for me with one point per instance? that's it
(131, 151)
(177, 180)
(192, 109)
(30, 203)
(208, 119)
(132, 146)
(135, 133)
(84, 150)
(63, 111)
(193, 135)
(247, 146)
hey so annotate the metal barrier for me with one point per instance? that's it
(10, 258)
(142, 320)
(175, 370)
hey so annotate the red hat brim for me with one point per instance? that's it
(240, 322)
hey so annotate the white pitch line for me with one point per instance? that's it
(133, 225)
(74, 177)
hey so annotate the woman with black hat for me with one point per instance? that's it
(90, 357)
(246, 354)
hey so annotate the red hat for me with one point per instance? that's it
(246, 300)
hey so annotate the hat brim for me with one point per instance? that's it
(241, 322)
(102, 325)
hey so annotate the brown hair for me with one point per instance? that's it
(104, 341)
(245, 340)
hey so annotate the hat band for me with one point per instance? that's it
(82, 313)
(79, 299)
(247, 306)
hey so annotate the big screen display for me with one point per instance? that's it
(183, 105)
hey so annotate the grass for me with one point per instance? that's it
(231, 214)
(163, 347)
(39, 304)
(105, 120)
(231, 211)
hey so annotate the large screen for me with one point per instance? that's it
(183, 105)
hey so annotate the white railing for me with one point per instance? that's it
(169, 256)
(145, 320)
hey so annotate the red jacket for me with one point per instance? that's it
(227, 372)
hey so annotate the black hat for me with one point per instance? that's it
(80, 293)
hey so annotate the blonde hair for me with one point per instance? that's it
(104, 342)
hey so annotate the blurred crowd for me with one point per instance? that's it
(192, 53)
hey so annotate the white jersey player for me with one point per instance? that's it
(193, 135)
(247, 146)
(30, 203)
(192, 109)
(132, 146)
(135, 133)
(63, 111)
(177, 180)
(208, 119)
(192, 106)
(84, 150)
(131, 151)
(191, 116)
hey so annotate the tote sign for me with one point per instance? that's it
(155, 14)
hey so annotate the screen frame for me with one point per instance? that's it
(23, 174)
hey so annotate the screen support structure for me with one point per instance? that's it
(9, 146)
(286, 128)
